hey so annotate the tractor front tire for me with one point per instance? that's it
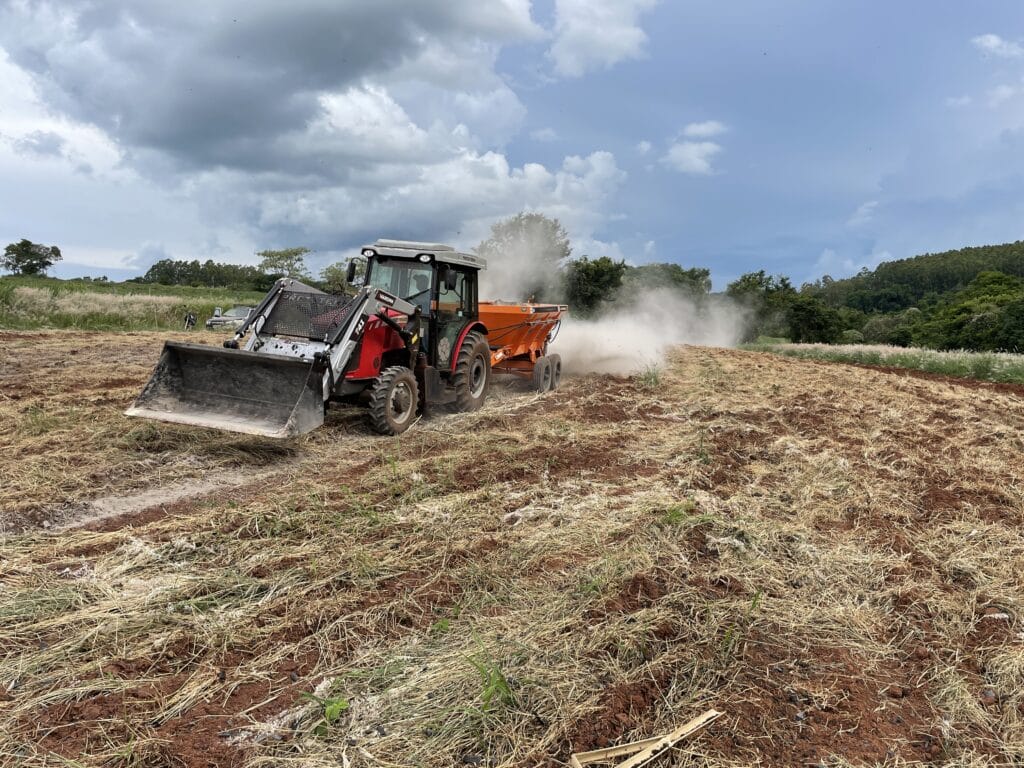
(393, 400)
(542, 374)
(472, 374)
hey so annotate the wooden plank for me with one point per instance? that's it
(600, 755)
(647, 749)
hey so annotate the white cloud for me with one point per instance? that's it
(596, 34)
(1001, 94)
(337, 145)
(692, 157)
(837, 266)
(958, 101)
(997, 46)
(706, 130)
(595, 249)
(864, 213)
(365, 123)
(643, 147)
(33, 130)
(454, 199)
(246, 73)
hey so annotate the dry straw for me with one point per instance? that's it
(830, 555)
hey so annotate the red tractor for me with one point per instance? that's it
(414, 334)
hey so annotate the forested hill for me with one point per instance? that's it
(897, 285)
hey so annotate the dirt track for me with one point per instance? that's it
(834, 556)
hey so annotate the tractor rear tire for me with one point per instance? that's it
(542, 374)
(393, 400)
(556, 370)
(472, 372)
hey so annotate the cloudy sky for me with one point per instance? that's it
(804, 138)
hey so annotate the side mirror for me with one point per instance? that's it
(350, 272)
(450, 278)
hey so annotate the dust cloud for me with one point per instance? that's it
(627, 334)
(523, 269)
(631, 336)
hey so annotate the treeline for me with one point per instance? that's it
(972, 298)
(897, 285)
(207, 274)
(591, 285)
(274, 264)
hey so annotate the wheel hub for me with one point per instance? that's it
(401, 402)
(477, 377)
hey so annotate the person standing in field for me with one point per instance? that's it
(190, 320)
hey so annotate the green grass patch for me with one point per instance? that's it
(649, 378)
(984, 366)
(28, 303)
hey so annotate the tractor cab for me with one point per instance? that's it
(437, 279)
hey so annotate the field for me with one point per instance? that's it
(831, 555)
(42, 302)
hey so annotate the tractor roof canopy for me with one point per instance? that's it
(406, 249)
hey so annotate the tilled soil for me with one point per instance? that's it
(831, 555)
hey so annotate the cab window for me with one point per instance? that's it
(453, 300)
(459, 300)
(409, 280)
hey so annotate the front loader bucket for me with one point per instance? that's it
(258, 394)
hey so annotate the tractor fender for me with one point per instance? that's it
(476, 325)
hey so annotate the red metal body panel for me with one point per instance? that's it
(377, 339)
(516, 333)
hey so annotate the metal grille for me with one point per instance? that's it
(307, 315)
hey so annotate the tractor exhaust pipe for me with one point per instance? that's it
(234, 390)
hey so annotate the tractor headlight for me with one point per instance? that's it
(424, 257)
(368, 252)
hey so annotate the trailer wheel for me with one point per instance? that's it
(556, 370)
(472, 372)
(542, 374)
(393, 399)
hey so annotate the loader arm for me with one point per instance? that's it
(301, 341)
(261, 310)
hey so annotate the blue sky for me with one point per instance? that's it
(802, 138)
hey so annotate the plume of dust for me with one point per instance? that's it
(632, 335)
(522, 269)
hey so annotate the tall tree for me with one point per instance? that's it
(589, 282)
(766, 297)
(694, 282)
(333, 278)
(532, 232)
(528, 252)
(287, 261)
(811, 321)
(28, 258)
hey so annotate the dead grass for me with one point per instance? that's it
(833, 556)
